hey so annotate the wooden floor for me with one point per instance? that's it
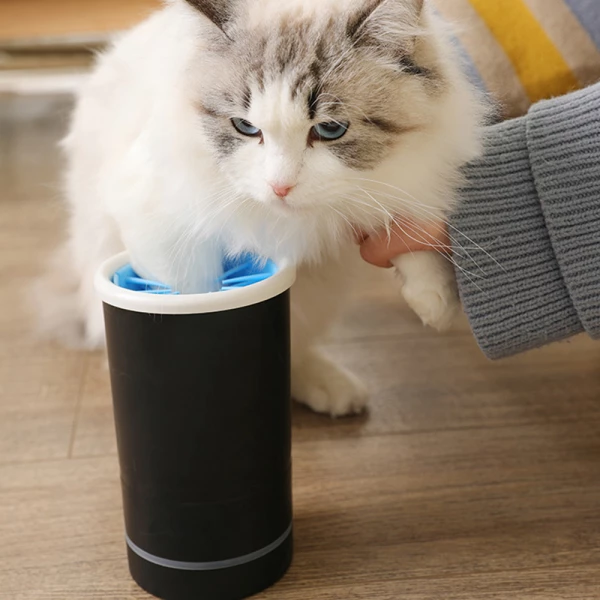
(467, 479)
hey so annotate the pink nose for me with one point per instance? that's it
(281, 189)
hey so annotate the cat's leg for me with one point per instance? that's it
(66, 306)
(107, 242)
(429, 287)
(317, 381)
(53, 301)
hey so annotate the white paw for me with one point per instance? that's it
(327, 388)
(437, 306)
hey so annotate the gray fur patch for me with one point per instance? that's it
(313, 103)
(220, 131)
(359, 155)
(247, 98)
(356, 22)
(410, 67)
(209, 111)
(384, 125)
(333, 76)
(218, 11)
(226, 143)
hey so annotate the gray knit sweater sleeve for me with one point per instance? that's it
(527, 233)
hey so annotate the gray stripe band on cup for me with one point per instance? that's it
(209, 566)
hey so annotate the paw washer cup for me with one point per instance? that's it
(201, 395)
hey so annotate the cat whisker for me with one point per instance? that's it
(440, 248)
(435, 212)
(434, 221)
(352, 227)
(236, 198)
(433, 242)
(372, 212)
(425, 216)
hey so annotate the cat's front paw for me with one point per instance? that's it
(436, 306)
(429, 287)
(328, 388)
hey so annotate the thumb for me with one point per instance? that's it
(405, 236)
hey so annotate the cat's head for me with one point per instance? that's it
(302, 99)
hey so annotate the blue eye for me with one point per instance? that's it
(332, 130)
(246, 128)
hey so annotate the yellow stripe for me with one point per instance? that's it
(538, 63)
(488, 56)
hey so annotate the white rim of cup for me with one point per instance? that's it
(187, 304)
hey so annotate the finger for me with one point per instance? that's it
(380, 248)
(406, 236)
(360, 236)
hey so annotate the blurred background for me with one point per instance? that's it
(45, 45)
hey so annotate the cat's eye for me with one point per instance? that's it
(327, 132)
(246, 128)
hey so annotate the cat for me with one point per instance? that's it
(280, 128)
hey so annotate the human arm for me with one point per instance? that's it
(526, 235)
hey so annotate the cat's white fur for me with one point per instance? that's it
(143, 176)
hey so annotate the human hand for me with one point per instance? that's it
(405, 236)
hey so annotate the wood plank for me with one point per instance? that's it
(95, 431)
(438, 383)
(413, 514)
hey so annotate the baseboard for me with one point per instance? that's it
(42, 81)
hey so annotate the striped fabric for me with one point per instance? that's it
(523, 51)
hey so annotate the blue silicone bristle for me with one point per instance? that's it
(127, 278)
(245, 270)
(238, 272)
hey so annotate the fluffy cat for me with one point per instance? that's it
(272, 127)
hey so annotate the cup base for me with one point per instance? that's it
(234, 583)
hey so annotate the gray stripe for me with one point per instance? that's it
(209, 566)
(589, 16)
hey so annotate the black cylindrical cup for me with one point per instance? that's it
(201, 393)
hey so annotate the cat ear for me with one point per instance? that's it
(217, 11)
(382, 18)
